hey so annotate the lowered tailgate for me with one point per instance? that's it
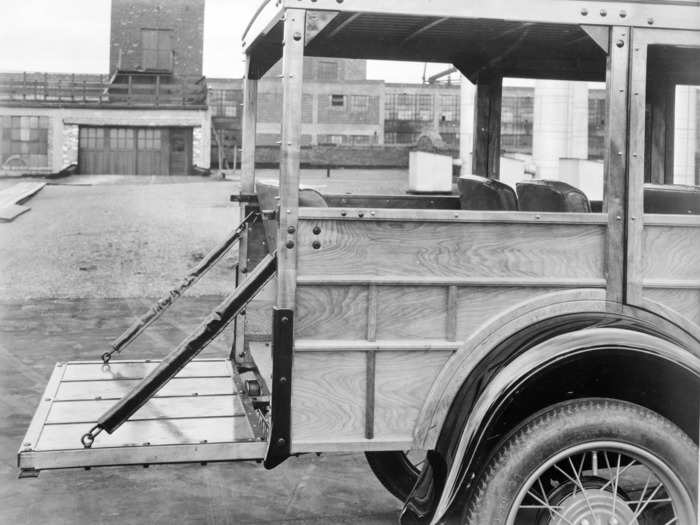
(200, 415)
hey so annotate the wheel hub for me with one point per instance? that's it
(594, 507)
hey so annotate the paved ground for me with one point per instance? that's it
(74, 271)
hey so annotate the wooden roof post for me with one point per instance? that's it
(616, 162)
(292, 80)
(249, 121)
(486, 153)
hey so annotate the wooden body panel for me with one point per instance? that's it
(670, 267)
(383, 303)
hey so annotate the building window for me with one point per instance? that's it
(449, 108)
(596, 124)
(338, 101)
(121, 139)
(156, 49)
(516, 123)
(92, 138)
(359, 103)
(223, 103)
(425, 108)
(25, 141)
(405, 106)
(360, 140)
(149, 139)
(327, 70)
(331, 139)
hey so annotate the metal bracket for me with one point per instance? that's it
(278, 445)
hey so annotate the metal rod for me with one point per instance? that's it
(188, 348)
(168, 299)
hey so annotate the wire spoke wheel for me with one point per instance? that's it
(600, 484)
(589, 462)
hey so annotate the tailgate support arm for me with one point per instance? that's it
(186, 350)
(167, 300)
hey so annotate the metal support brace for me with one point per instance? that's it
(278, 446)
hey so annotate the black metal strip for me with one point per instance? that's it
(278, 446)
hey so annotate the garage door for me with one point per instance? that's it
(121, 150)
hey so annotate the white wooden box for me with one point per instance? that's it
(429, 172)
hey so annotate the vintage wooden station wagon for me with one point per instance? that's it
(501, 355)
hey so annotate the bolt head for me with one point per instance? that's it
(281, 442)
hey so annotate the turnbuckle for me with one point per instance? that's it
(89, 438)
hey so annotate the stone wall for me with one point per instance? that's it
(70, 145)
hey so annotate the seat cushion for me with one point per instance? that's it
(551, 195)
(671, 198)
(480, 193)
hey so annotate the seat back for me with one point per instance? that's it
(671, 198)
(480, 193)
(551, 195)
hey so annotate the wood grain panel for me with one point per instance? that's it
(435, 249)
(671, 253)
(157, 408)
(402, 383)
(117, 388)
(153, 432)
(684, 301)
(405, 312)
(139, 370)
(476, 306)
(325, 312)
(328, 396)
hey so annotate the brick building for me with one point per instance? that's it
(148, 115)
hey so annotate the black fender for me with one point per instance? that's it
(484, 394)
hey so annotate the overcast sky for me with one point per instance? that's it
(72, 36)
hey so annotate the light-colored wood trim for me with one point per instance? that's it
(570, 12)
(334, 345)
(292, 82)
(671, 284)
(248, 135)
(451, 328)
(372, 312)
(352, 445)
(31, 437)
(370, 376)
(692, 221)
(142, 455)
(615, 163)
(456, 216)
(635, 176)
(535, 282)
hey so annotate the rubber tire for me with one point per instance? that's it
(394, 471)
(565, 425)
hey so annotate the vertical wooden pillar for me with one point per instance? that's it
(616, 162)
(249, 121)
(292, 80)
(486, 153)
(634, 218)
